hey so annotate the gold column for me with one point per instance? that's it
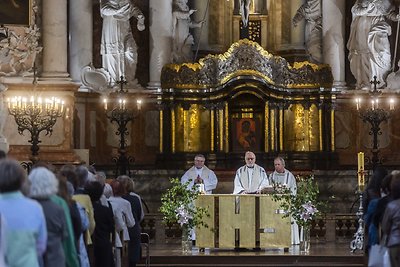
(221, 129)
(266, 121)
(321, 147)
(226, 128)
(173, 130)
(272, 127)
(332, 130)
(185, 130)
(280, 129)
(161, 131)
(212, 129)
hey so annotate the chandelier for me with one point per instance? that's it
(121, 113)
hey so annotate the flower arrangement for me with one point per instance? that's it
(304, 206)
(177, 206)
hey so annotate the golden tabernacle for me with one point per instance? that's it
(242, 221)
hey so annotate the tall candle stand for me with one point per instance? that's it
(358, 241)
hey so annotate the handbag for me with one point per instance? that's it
(379, 256)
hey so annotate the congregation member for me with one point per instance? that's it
(282, 176)
(372, 195)
(123, 219)
(104, 231)
(26, 237)
(134, 245)
(386, 197)
(82, 198)
(391, 223)
(2, 241)
(107, 190)
(250, 178)
(200, 174)
(74, 229)
(43, 184)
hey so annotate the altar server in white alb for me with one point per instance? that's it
(285, 178)
(200, 175)
(250, 178)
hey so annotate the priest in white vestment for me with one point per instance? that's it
(200, 174)
(285, 178)
(250, 178)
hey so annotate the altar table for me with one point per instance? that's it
(242, 221)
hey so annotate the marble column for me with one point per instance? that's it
(55, 48)
(201, 34)
(297, 33)
(81, 37)
(160, 39)
(333, 32)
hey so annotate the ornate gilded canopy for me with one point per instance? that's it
(245, 58)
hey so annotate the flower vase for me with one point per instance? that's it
(186, 240)
(305, 239)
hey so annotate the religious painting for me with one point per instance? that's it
(15, 12)
(246, 134)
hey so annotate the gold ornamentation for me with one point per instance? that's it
(245, 58)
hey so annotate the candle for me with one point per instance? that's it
(105, 103)
(391, 104)
(361, 171)
(358, 103)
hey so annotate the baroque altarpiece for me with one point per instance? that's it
(247, 99)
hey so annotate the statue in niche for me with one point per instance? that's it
(118, 47)
(310, 11)
(368, 44)
(182, 39)
(245, 11)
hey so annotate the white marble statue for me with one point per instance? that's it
(182, 39)
(393, 79)
(311, 12)
(118, 48)
(245, 11)
(368, 44)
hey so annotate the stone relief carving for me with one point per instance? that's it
(19, 47)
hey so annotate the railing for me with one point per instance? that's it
(328, 228)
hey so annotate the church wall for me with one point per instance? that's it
(352, 135)
(100, 138)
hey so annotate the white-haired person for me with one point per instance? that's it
(26, 235)
(43, 185)
(123, 218)
(285, 178)
(250, 178)
(134, 245)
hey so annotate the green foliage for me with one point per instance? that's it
(177, 206)
(304, 206)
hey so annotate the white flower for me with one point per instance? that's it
(183, 215)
